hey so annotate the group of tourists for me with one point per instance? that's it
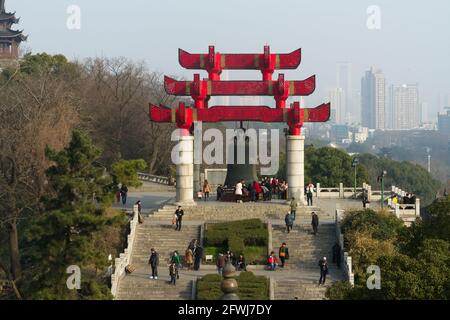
(265, 190)
(192, 261)
(238, 262)
(409, 198)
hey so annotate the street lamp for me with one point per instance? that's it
(380, 178)
(354, 165)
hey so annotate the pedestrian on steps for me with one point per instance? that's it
(189, 258)
(337, 254)
(179, 213)
(176, 258)
(294, 205)
(289, 220)
(323, 265)
(283, 254)
(315, 223)
(154, 262)
(173, 272)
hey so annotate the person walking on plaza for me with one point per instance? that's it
(337, 254)
(124, 194)
(289, 220)
(293, 205)
(189, 258)
(179, 213)
(323, 265)
(206, 190)
(238, 191)
(220, 263)
(283, 254)
(315, 222)
(309, 194)
(173, 272)
(154, 262)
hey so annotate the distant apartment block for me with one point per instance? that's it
(373, 99)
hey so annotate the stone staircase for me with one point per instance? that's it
(299, 290)
(165, 240)
(305, 251)
(213, 211)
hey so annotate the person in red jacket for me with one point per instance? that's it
(272, 261)
(257, 188)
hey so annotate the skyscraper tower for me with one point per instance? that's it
(373, 99)
(344, 81)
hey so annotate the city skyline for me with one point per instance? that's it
(345, 35)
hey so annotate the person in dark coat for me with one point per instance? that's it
(154, 262)
(337, 254)
(283, 254)
(240, 264)
(220, 263)
(323, 265)
(198, 258)
(173, 272)
(315, 222)
(179, 213)
(123, 194)
(289, 220)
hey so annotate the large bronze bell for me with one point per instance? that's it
(246, 171)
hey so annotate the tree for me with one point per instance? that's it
(115, 112)
(330, 166)
(63, 235)
(37, 107)
(406, 175)
(125, 172)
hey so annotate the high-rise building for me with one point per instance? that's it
(373, 99)
(9, 39)
(336, 98)
(344, 81)
(444, 122)
(406, 111)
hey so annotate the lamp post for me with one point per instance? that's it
(354, 165)
(380, 178)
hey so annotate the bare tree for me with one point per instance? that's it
(37, 108)
(118, 92)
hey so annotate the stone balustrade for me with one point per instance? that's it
(125, 257)
(345, 258)
(153, 178)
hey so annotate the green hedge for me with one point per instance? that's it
(250, 287)
(237, 236)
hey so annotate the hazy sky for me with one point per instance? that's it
(412, 46)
